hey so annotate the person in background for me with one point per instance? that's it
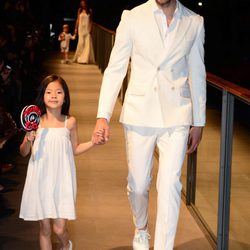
(8, 93)
(84, 51)
(8, 129)
(164, 106)
(64, 38)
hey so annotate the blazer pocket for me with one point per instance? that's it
(185, 92)
(188, 42)
(189, 37)
(138, 90)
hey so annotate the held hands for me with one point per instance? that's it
(27, 143)
(101, 132)
(195, 135)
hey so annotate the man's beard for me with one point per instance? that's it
(164, 3)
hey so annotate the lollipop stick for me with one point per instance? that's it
(31, 150)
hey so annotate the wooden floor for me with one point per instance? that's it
(104, 220)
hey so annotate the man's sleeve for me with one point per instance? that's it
(117, 68)
(197, 77)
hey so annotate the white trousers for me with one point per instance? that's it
(140, 146)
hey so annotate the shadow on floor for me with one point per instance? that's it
(14, 243)
(125, 248)
(196, 244)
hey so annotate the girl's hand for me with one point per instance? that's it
(98, 138)
(31, 136)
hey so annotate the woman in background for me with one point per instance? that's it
(84, 51)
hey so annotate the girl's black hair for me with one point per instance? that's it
(41, 90)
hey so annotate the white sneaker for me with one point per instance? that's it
(70, 245)
(141, 240)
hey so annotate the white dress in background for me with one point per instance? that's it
(84, 51)
(50, 185)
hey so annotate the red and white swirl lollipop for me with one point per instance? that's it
(30, 117)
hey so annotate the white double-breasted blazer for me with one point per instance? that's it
(167, 85)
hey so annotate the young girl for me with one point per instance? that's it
(50, 186)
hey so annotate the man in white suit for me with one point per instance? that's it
(164, 106)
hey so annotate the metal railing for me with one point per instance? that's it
(103, 40)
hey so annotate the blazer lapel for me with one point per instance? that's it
(176, 35)
(154, 34)
(160, 53)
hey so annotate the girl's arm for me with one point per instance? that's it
(25, 147)
(78, 148)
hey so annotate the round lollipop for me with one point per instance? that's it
(30, 117)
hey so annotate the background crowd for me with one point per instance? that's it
(21, 53)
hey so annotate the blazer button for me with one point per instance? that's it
(155, 88)
(173, 88)
(158, 68)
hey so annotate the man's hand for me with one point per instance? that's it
(195, 135)
(101, 132)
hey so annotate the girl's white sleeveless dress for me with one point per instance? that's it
(50, 185)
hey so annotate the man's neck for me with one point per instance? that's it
(168, 7)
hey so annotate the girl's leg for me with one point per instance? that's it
(45, 233)
(62, 56)
(60, 229)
